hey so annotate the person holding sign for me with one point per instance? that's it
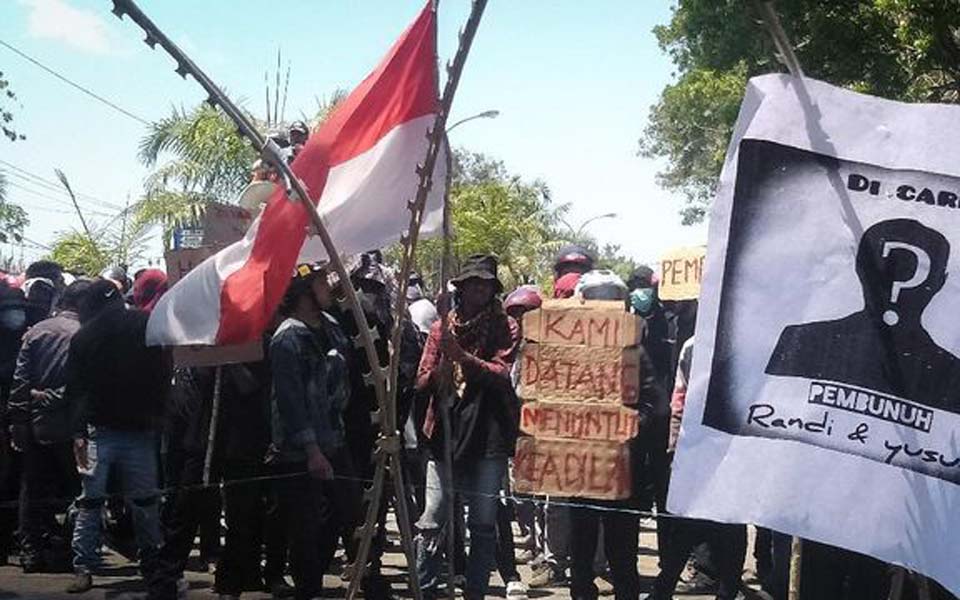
(621, 529)
(481, 342)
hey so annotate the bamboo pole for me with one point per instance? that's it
(796, 565)
(214, 420)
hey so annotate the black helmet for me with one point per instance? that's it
(303, 276)
(299, 127)
(571, 255)
(118, 275)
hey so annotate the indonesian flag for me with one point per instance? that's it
(360, 170)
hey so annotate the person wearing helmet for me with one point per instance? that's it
(118, 275)
(477, 344)
(572, 259)
(621, 528)
(299, 133)
(311, 390)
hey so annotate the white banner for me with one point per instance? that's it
(825, 393)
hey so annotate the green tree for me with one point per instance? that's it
(496, 212)
(901, 49)
(7, 98)
(13, 219)
(198, 157)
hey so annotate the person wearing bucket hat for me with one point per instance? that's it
(479, 343)
(311, 390)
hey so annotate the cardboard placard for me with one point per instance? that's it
(579, 374)
(572, 468)
(681, 272)
(224, 222)
(592, 323)
(556, 420)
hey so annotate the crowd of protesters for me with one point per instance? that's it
(92, 415)
(101, 432)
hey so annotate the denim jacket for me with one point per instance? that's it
(310, 388)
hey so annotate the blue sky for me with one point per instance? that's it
(573, 82)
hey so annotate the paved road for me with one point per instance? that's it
(119, 580)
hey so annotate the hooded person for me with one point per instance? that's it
(469, 354)
(41, 294)
(148, 287)
(119, 385)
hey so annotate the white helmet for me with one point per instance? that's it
(601, 284)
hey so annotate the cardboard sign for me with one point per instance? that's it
(579, 374)
(223, 224)
(572, 468)
(681, 272)
(181, 261)
(555, 420)
(592, 323)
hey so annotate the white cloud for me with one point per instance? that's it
(58, 20)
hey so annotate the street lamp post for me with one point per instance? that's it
(487, 114)
(592, 219)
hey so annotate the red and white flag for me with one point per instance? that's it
(360, 170)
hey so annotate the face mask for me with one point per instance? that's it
(641, 300)
(13, 319)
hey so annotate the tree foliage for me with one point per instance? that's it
(901, 49)
(13, 219)
(7, 98)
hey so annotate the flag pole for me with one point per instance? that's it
(796, 565)
(214, 419)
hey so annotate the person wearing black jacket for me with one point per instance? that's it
(41, 427)
(13, 322)
(118, 384)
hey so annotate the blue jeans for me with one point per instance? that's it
(133, 455)
(479, 482)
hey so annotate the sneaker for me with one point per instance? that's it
(516, 589)
(82, 582)
(546, 576)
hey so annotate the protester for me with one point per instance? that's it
(621, 525)
(13, 322)
(189, 507)
(310, 392)
(372, 280)
(519, 302)
(118, 385)
(469, 354)
(41, 426)
(148, 286)
(727, 543)
(550, 568)
(41, 298)
(250, 508)
(298, 135)
(118, 276)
